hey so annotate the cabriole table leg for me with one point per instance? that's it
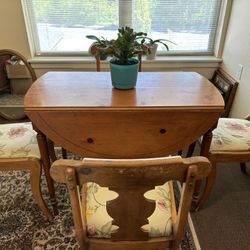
(43, 146)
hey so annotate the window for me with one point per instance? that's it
(61, 26)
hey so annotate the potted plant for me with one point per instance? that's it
(123, 49)
(153, 45)
(95, 47)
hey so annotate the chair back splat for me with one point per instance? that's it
(131, 180)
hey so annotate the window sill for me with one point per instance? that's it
(160, 63)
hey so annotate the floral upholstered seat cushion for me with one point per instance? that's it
(18, 140)
(231, 135)
(99, 223)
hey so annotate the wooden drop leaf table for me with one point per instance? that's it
(81, 112)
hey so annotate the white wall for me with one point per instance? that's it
(237, 51)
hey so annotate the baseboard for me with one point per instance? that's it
(193, 232)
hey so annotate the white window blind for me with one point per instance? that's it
(61, 26)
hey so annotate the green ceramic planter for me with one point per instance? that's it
(124, 76)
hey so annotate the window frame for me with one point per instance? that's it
(220, 35)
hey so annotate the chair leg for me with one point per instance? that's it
(210, 180)
(243, 167)
(196, 195)
(175, 245)
(51, 150)
(191, 149)
(35, 176)
(64, 153)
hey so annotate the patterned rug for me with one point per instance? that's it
(23, 226)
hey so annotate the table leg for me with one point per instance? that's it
(43, 146)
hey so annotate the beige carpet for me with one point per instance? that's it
(224, 222)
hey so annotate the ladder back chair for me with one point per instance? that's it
(116, 217)
(230, 143)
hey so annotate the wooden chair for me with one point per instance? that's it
(94, 52)
(230, 143)
(19, 151)
(227, 86)
(12, 111)
(129, 179)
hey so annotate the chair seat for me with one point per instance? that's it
(231, 135)
(18, 140)
(99, 223)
